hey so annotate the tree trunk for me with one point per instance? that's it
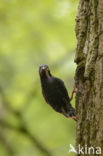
(89, 76)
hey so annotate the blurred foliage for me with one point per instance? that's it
(34, 33)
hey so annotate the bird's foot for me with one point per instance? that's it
(75, 118)
(74, 91)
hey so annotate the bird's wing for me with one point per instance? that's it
(61, 89)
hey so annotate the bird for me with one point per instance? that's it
(55, 93)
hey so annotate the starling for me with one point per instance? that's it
(55, 93)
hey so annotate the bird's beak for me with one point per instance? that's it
(43, 67)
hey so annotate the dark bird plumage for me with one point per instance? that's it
(55, 93)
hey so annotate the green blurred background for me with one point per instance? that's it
(35, 32)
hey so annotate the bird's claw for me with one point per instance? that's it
(75, 118)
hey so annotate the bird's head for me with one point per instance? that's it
(44, 71)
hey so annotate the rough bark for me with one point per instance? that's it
(89, 74)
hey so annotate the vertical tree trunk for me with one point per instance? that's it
(89, 75)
